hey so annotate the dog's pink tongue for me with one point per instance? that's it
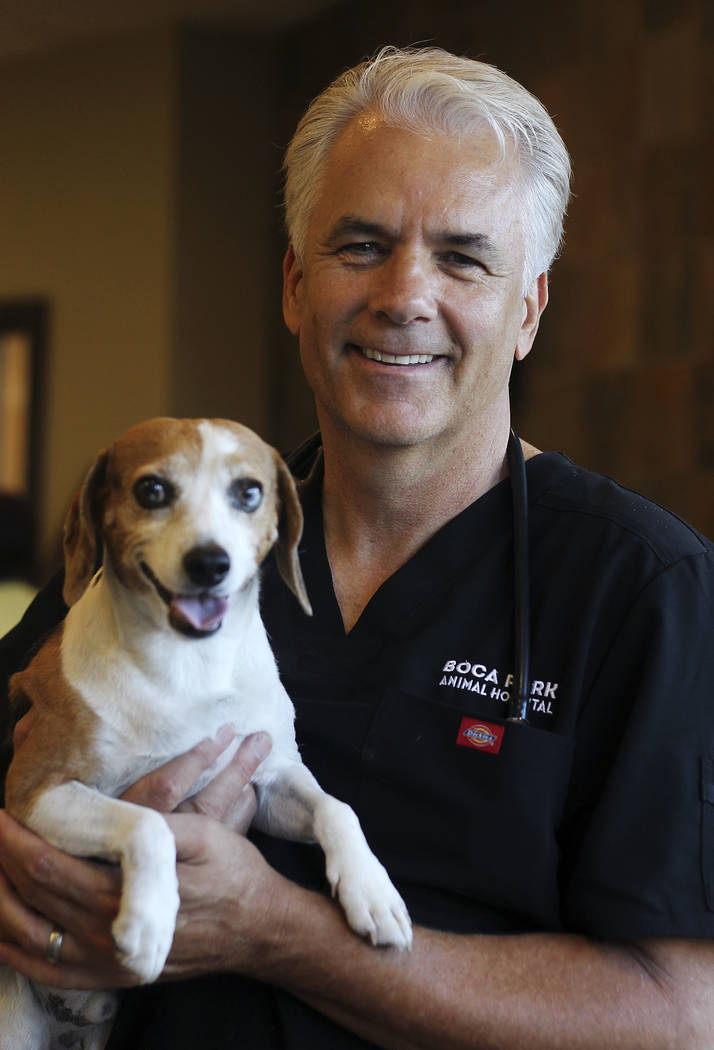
(202, 611)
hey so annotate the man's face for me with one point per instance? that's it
(408, 300)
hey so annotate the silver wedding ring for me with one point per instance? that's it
(54, 945)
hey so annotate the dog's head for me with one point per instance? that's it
(185, 511)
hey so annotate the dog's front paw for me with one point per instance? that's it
(144, 928)
(143, 936)
(371, 904)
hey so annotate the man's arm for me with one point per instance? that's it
(513, 992)
(532, 992)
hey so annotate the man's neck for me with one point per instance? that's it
(382, 504)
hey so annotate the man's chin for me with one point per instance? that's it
(388, 430)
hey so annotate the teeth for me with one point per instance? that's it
(392, 359)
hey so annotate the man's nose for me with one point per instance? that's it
(405, 288)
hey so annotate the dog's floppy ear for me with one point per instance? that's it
(289, 533)
(82, 539)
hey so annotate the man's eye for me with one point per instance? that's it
(151, 492)
(361, 249)
(459, 260)
(246, 494)
(462, 267)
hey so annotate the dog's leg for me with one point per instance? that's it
(83, 822)
(292, 805)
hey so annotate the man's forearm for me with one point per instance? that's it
(530, 992)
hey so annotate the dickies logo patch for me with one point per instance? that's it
(483, 736)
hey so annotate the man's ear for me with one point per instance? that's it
(534, 303)
(292, 277)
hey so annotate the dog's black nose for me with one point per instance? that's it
(207, 566)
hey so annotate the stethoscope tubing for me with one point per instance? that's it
(518, 702)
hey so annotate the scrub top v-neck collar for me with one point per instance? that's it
(408, 597)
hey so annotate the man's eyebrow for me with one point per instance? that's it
(353, 225)
(476, 241)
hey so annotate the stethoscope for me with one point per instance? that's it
(518, 702)
(300, 462)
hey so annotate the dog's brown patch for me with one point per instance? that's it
(60, 744)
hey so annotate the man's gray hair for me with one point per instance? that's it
(428, 89)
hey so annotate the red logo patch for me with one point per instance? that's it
(481, 735)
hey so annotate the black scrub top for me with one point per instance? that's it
(595, 817)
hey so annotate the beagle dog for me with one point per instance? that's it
(160, 648)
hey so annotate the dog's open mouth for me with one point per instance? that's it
(195, 615)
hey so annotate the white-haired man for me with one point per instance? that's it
(559, 868)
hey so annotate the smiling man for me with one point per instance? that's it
(414, 252)
(559, 868)
(408, 300)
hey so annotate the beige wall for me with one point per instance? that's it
(86, 197)
(137, 197)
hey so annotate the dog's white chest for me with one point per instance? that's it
(159, 695)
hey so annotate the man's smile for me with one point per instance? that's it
(394, 359)
(385, 358)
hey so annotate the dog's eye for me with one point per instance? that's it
(246, 494)
(152, 493)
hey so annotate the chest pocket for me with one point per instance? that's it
(461, 830)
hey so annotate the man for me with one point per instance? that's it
(560, 872)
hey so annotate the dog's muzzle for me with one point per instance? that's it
(201, 614)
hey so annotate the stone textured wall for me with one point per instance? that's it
(622, 375)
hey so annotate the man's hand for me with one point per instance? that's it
(228, 798)
(232, 901)
(41, 887)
